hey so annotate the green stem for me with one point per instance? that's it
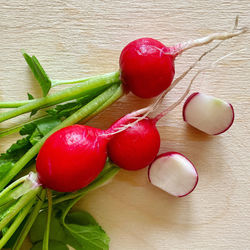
(13, 104)
(17, 128)
(82, 113)
(74, 81)
(47, 229)
(31, 219)
(12, 186)
(22, 202)
(19, 219)
(64, 95)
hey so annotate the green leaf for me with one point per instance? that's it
(39, 73)
(77, 229)
(35, 137)
(43, 125)
(56, 231)
(53, 245)
(30, 97)
(47, 124)
(84, 232)
(13, 154)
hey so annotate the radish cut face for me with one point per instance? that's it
(208, 114)
(173, 173)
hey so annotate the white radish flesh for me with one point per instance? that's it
(208, 113)
(173, 173)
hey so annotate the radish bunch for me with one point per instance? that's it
(73, 157)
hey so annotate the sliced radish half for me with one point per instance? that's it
(173, 173)
(208, 113)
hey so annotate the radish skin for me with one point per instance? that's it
(136, 147)
(173, 173)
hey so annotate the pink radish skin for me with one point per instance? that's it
(173, 173)
(208, 114)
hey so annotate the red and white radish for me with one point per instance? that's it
(208, 113)
(173, 173)
(147, 65)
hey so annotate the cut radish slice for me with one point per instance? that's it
(208, 114)
(173, 173)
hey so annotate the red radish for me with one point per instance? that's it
(71, 158)
(147, 65)
(136, 147)
(208, 114)
(173, 173)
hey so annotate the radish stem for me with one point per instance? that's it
(64, 95)
(30, 221)
(22, 202)
(19, 219)
(17, 128)
(14, 104)
(47, 229)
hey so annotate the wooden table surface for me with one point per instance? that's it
(82, 38)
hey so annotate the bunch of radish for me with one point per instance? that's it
(73, 157)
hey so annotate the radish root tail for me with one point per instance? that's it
(181, 47)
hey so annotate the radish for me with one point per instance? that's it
(208, 114)
(73, 156)
(147, 65)
(173, 173)
(136, 147)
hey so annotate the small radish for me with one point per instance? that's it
(136, 147)
(208, 114)
(173, 173)
(147, 65)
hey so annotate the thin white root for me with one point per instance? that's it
(160, 99)
(179, 101)
(181, 47)
(175, 104)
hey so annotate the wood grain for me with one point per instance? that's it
(81, 38)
